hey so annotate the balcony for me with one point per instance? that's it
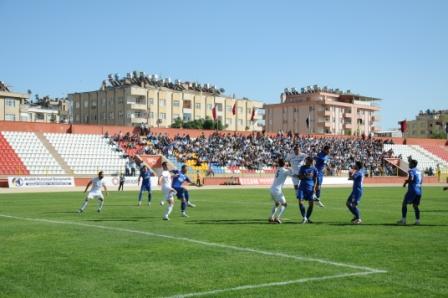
(376, 118)
(138, 120)
(138, 106)
(348, 126)
(348, 115)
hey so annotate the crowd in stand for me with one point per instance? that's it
(258, 151)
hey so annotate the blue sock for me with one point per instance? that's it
(149, 196)
(404, 210)
(417, 212)
(356, 212)
(187, 195)
(309, 211)
(140, 195)
(302, 210)
(183, 206)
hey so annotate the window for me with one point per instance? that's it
(187, 104)
(103, 101)
(229, 121)
(176, 103)
(175, 116)
(86, 118)
(151, 101)
(151, 115)
(197, 105)
(111, 116)
(120, 100)
(228, 108)
(94, 104)
(209, 106)
(120, 115)
(240, 121)
(77, 118)
(187, 116)
(77, 104)
(10, 117)
(240, 110)
(162, 116)
(104, 116)
(219, 107)
(10, 102)
(162, 102)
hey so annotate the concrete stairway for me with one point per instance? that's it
(54, 153)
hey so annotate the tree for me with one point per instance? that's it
(178, 123)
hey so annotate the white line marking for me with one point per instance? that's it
(205, 243)
(272, 284)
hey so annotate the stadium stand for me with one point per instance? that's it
(425, 159)
(437, 150)
(33, 153)
(10, 163)
(87, 154)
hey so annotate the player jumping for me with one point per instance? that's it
(296, 159)
(357, 175)
(308, 176)
(321, 162)
(145, 176)
(414, 193)
(95, 192)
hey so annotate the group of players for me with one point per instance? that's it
(172, 183)
(307, 174)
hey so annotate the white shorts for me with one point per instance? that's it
(295, 180)
(95, 195)
(168, 193)
(279, 197)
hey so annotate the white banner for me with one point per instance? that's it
(129, 181)
(36, 181)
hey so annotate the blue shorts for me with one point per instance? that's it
(303, 194)
(412, 198)
(354, 198)
(320, 178)
(146, 187)
(180, 192)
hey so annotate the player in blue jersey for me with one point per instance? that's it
(356, 174)
(414, 193)
(308, 176)
(179, 179)
(145, 177)
(322, 160)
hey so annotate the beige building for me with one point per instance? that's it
(11, 103)
(158, 103)
(428, 124)
(324, 111)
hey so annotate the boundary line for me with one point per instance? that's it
(272, 284)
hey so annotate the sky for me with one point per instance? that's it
(394, 50)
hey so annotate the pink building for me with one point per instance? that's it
(324, 111)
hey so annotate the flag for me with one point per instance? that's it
(214, 113)
(403, 126)
(252, 118)
(308, 122)
(234, 109)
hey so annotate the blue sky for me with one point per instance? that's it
(394, 50)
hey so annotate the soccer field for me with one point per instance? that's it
(226, 248)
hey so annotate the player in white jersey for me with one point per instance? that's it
(95, 192)
(167, 190)
(277, 192)
(296, 160)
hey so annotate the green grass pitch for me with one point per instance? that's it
(226, 248)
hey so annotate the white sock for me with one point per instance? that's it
(274, 210)
(101, 204)
(84, 205)
(281, 211)
(169, 208)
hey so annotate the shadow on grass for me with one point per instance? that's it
(435, 211)
(383, 224)
(234, 222)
